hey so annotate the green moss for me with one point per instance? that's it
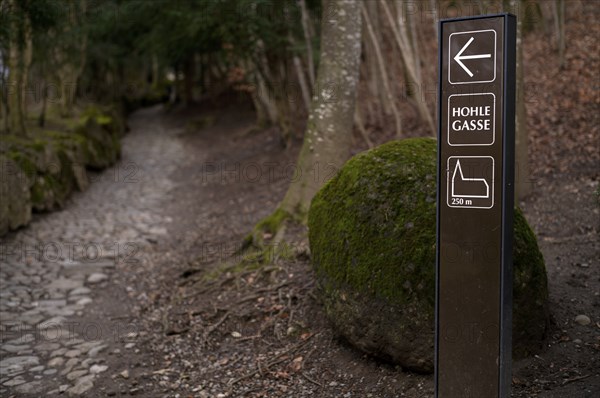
(271, 223)
(25, 163)
(372, 233)
(373, 225)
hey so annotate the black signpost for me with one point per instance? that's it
(475, 206)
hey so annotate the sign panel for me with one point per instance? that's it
(475, 206)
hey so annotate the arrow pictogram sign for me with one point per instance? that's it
(472, 57)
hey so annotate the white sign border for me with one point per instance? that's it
(493, 120)
(450, 54)
(448, 181)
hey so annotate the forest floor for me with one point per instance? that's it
(155, 305)
(171, 319)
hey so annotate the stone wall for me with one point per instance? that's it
(39, 172)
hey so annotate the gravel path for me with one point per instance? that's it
(53, 269)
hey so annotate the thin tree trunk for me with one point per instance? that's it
(302, 82)
(433, 4)
(328, 134)
(16, 123)
(411, 59)
(358, 120)
(382, 70)
(308, 39)
(559, 18)
(523, 184)
(188, 81)
(155, 72)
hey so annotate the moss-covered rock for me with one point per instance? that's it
(50, 164)
(15, 204)
(372, 239)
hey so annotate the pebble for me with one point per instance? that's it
(72, 353)
(30, 388)
(76, 374)
(55, 362)
(80, 291)
(21, 361)
(94, 351)
(14, 382)
(97, 278)
(95, 369)
(577, 341)
(124, 374)
(13, 349)
(583, 320)
(84, 301)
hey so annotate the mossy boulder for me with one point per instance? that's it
(372, 239)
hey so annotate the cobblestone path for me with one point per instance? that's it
(54, 268)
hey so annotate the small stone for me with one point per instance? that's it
(13, 349)
(57, 353)
(49, 372)
(55, 362)
(76, 374)
(37, 369)
(124, 374)
(30, 388)
(72, 353)
(94, 351)
(129, 345)
(583, 320)
(237, 335)
(84, 301)
(333, 384)
(21, 361)
(80, 291)
(14, 382)
(63, 388)
(80, 389)
(53, 323)
(47, 346)
(577, 341)
(95, 369)
(97, 278)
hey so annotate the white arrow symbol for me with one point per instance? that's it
(459, 57)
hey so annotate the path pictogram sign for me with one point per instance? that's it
(475, 207)
(471, 182)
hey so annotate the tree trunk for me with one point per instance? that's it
(308, 39)
(328, 134)
(155, 72)
(16, 122)
(522, 175)
(302, 82)
(405, 36)
(559, 18)
(188, 81)
(391, 101)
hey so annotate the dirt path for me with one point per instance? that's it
(117, 294)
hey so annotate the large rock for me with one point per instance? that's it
(372, 239)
